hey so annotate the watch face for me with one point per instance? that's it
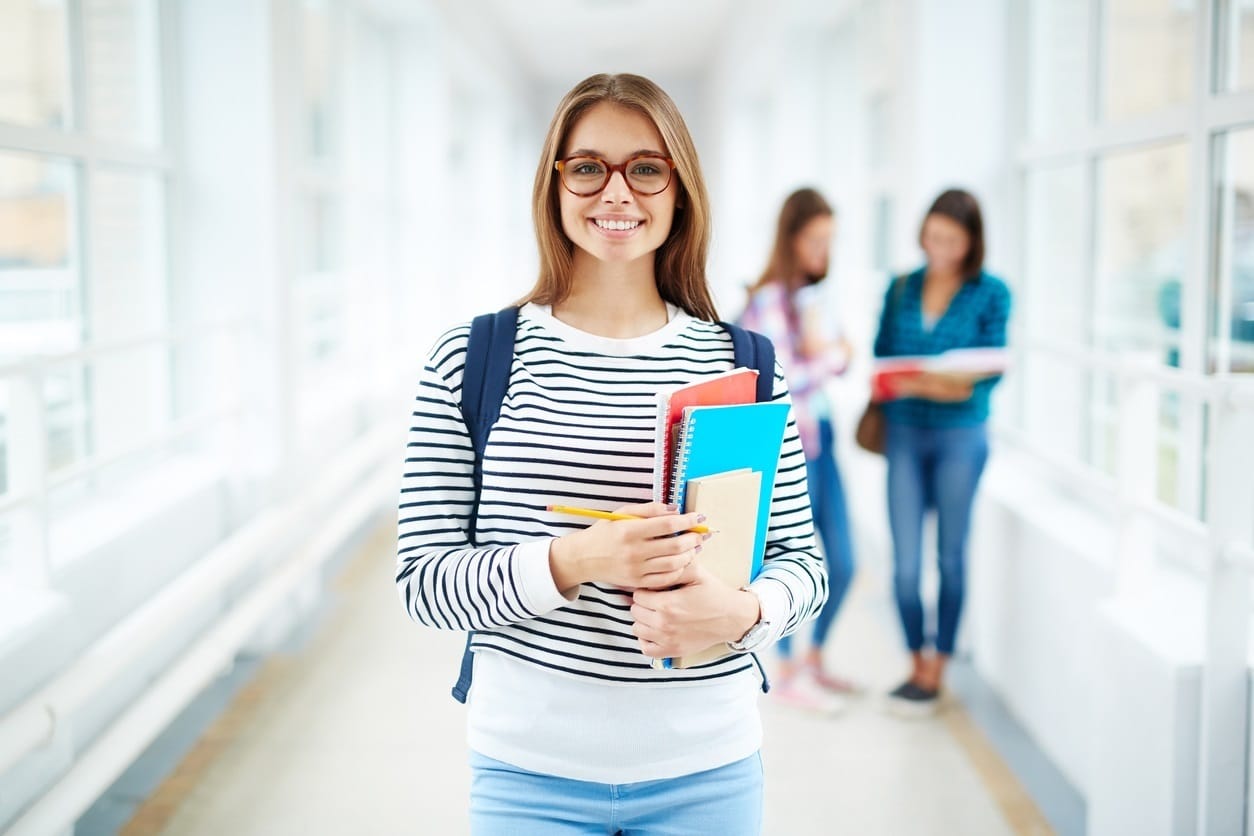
(756, 635)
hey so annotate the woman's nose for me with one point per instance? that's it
(616, 190)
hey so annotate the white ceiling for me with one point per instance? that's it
(553, 43)
(560, 41)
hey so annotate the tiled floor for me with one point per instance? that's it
(356, 734)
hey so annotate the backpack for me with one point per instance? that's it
(485, 377)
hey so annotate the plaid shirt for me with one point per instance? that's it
(976, 318)
(767, 313)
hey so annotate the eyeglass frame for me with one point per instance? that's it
(610, 168)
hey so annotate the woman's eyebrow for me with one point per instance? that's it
(642, 152)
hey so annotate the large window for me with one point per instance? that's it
(1231, 344)
(1239, 54)
(1137, 226)
(83, 269)
(34, 64)
(1141, 203)
(1059, 67)
(40, 296)
(319, 286)
(1148, 50)
(1054, 301)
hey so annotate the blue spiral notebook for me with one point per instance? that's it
(716, 439)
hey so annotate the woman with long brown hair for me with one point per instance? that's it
(937, 444)
(571, 729)
(784, 306)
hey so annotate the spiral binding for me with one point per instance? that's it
(680, 465)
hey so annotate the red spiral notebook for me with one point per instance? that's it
(732, 387)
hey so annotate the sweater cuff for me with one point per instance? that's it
(535, 580)
(775, 610)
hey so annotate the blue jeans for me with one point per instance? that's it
(940, 467)
(831, 522)
(508, 801)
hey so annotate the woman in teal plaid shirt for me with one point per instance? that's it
(936, 441)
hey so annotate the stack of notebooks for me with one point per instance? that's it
(717, 453)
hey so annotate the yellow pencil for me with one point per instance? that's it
(609, 515)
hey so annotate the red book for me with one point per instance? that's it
(732, 387)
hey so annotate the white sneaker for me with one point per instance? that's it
(801, 691)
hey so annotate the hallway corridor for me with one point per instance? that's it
(354, 732)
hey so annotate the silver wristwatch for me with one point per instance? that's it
(757, 635)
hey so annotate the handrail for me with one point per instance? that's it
(1237, 390)
(177, 429)
(38, 364)
(1180, 523)
(100, 764)
(90, 464)
(33, 723)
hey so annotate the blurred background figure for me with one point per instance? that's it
(937, 442)
(785, 305)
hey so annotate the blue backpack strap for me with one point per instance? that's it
(489, 358)
(485, 377)
(754, 351)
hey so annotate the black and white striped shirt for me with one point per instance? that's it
(576, 428)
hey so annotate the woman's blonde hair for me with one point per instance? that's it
(679, 264)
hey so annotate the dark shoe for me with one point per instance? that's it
(911, 700)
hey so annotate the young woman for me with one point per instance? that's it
(570, 728)
(783, 305)
(936, 439)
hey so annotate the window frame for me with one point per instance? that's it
(27, 500)
(1202, 122)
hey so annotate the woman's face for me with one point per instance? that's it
(616, 224)
(812, 245)
(945, 242)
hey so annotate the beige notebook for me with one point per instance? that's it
(730, 503)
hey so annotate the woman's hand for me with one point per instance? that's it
(932, 387)
(703, 612)
(628, 553)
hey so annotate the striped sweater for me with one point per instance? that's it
(576, 428)
(561, 684)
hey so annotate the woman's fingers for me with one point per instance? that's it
(667, 525)
(679, 569)
(646, 509)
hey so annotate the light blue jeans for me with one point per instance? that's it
(508, 801)
(831, 523)
(936, 467)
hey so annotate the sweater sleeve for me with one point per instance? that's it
(443, 580)
(792, 585)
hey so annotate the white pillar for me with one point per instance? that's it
(1225, 672)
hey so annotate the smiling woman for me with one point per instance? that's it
(566, 708)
